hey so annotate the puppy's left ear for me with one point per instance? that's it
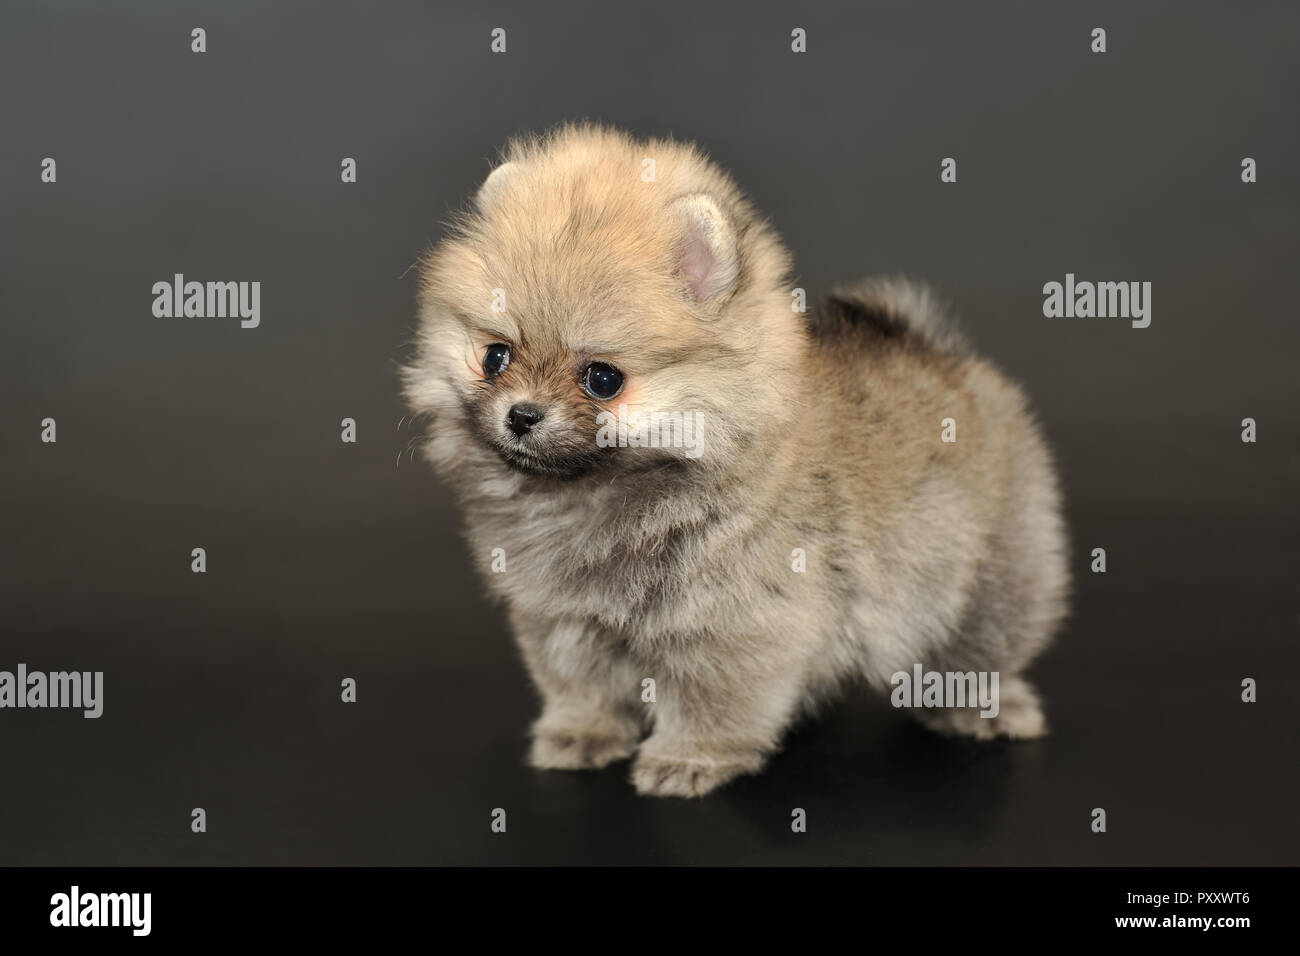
(708, 258)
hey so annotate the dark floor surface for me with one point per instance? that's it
(222, 693)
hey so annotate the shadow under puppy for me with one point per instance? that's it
(794, 519)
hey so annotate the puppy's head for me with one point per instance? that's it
(604, 306)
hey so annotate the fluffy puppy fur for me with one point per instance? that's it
(821, 436)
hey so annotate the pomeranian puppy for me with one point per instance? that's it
(704, 509)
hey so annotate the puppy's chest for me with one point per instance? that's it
(585, 563)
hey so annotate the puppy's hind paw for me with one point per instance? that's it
(1019, 716)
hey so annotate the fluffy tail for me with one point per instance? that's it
(892, 308)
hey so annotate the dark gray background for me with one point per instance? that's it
(329, 560)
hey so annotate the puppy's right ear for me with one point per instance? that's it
(493, 185)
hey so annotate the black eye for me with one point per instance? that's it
(602, 381)
(496, 360)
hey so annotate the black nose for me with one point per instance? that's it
(522, 418)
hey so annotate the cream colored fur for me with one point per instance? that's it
(821, 433)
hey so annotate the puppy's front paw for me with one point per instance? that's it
(658, 774)
(578, 749)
